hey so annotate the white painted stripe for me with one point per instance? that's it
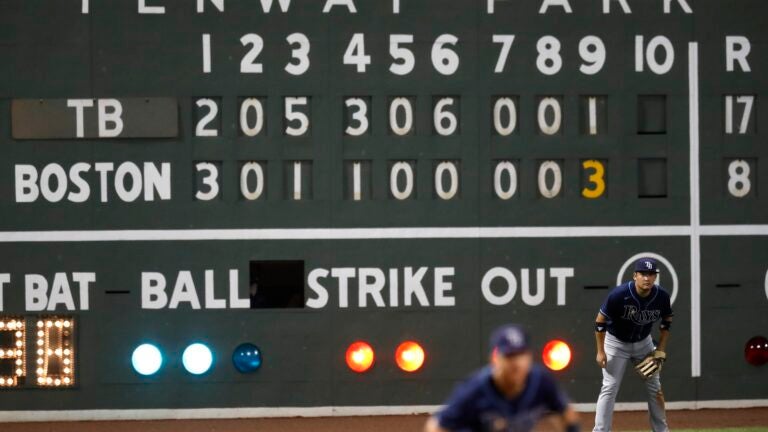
(693, 94)
(378, 233)
(582, 231)
(695, 306)
(341, 233)
(211, 413)
(681, 405)
(733, 230)
(344, 411)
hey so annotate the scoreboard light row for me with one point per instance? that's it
(410, 356)
(360, 357)
(739, 115)
(198, 359)
(54, 351)
(445, 56)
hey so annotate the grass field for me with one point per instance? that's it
(748, 429)
(704, 420)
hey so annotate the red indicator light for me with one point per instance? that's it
(409, 356)
(556, 355)
(756, 351)
(359, 357)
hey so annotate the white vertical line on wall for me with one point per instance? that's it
(693, 93)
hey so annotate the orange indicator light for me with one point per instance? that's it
(409, 356)
(359, 357)
(556, 355)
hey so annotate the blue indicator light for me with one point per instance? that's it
(247, 358)
(197, 359)
(146, 359)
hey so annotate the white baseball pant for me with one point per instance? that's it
(618, 354)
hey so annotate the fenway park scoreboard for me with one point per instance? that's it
(206, 203)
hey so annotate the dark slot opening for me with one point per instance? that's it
(117, 292)
(7, 367)
(651, 114)
(595, 287)
(276, 284)
(652, 178)
(728, 285)
(7, 341)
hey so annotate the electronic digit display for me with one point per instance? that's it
(55, 351)
(12, 358)
(256, 204)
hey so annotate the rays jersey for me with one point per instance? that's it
(630, 317)
(476, 405)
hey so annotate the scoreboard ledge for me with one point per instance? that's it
(340, 411)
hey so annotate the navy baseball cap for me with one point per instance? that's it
(646, 265)
(509, 339)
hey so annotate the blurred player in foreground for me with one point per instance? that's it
(511, 394)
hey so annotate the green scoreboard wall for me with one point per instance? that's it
(301, 175)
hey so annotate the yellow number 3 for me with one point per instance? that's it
(596, 178)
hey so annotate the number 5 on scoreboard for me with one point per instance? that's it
(596, 181)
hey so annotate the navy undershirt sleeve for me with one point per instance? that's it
(609, 307)
(666, 308)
